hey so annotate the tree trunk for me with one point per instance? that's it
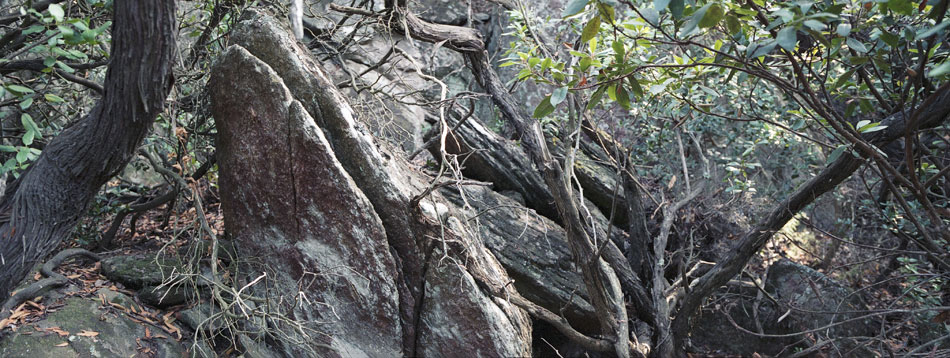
(42, 207)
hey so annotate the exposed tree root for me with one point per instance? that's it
(52, 279)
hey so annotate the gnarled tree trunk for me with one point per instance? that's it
(42, 207)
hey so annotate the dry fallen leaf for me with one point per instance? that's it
(36, 305)
(58, 331)
(86, 333)
(63, 344)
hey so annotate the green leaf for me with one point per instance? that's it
(858, 60)
(785, 14)
(844, 78)
(757, 50)
(814, 25)
(821, 38)
(619, 50)
(26, 103)
(865, 105)
(52, 98)
(890, 39)
(21, 154)
(732, 23)
(558, 96)
(20, 90)
(33, 29)
(843, 29)
(29, 124)
(694, 21)
(713, 15)
(787, 38)
(676, 8)
(607, 12)
(940, 70)
(7, 148)
(932, 30)
(836, 153)
(590, 30)
(870, 127)
(595, 98)
(57, 12)
(849, 110)
(623, 97)
(28, 137)
(635, 87)
(574, 7)
(904, 7)
(799, 123)
(660, 5)
(857, 45)
(544, 108)
(62, 65)
(651, 16)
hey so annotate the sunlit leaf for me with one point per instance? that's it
(590, 30)
(19, 89)
(940, 70)
(52, 98)
(856, 45)
(732, 23)
(787, 38)
(694, 20)
(932, 30)
(814, 25)
(26, 103)
(57, 12)
(574, 7)
(558, 96)
(623, 97)
(544, 108)
(713, 15)
(843, 29)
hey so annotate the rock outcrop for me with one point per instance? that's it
(313, 203)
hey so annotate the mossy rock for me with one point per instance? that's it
(139, 270)
(104, 334)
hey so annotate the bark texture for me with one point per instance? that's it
(46, 202)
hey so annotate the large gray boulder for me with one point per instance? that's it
(324, 210)
(285, 194)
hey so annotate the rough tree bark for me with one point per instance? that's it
(42, 207)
